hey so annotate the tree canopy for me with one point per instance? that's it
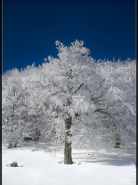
(100, 97)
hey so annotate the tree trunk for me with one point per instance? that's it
(68, 149)
(68, 154)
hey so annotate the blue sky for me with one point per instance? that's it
(31, 27)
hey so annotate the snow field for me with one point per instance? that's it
(46, 168)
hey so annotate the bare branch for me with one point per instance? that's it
(98, 88)
(43, 87)
(102, 111)
(79, 87)
(96, 98)
(111, 104)
(54, 93)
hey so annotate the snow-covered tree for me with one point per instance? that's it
(120, 78)
(14, 104)
(77, 90)
(73, 98)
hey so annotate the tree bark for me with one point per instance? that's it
(68, 149)
(68, 154)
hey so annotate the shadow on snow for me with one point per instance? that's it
(114, 157)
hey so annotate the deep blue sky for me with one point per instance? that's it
(30, 28)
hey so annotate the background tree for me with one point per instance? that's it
(13, 108)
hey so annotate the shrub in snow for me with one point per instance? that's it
(14, 164)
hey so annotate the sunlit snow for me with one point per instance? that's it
(43, 165)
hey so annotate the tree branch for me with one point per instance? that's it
(79, 87)
(97, 89)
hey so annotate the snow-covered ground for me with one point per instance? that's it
(42, 165)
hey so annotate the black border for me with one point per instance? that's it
(136, 37)
(1, 8)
